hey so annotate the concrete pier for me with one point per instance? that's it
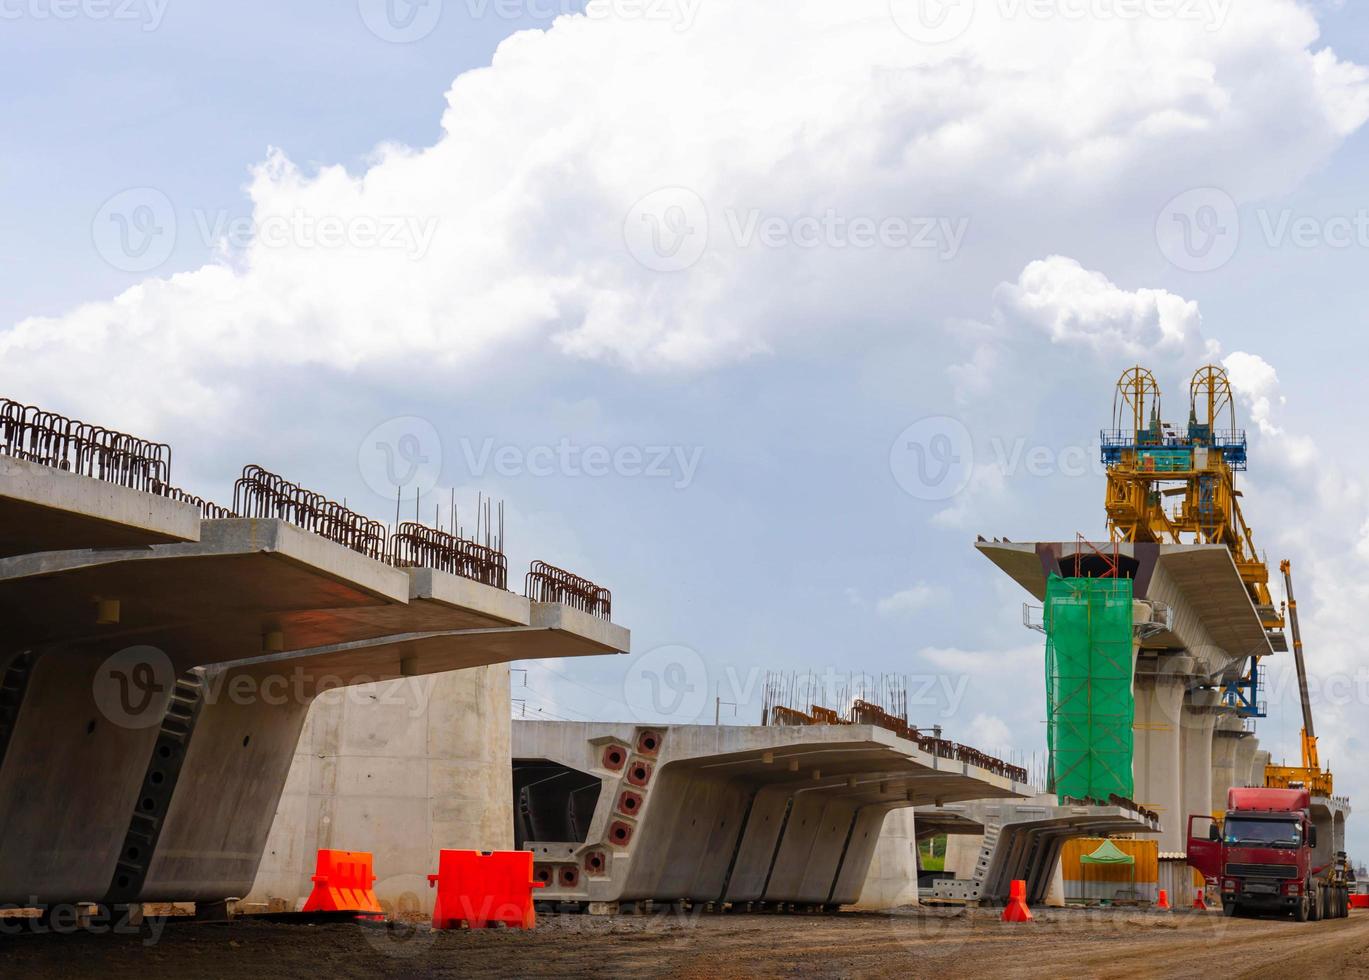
(1203, 632)
(402, 769)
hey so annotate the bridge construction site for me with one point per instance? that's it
(198, 700)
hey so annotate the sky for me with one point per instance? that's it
(755, 313)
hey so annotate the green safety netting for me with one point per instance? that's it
(1089, 700)
(1107, 853)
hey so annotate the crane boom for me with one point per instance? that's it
(1309, 775)
(1309, 732)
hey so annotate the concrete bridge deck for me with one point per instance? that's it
(142, 755)
(729, 814)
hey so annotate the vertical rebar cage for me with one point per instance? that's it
(1089, 701)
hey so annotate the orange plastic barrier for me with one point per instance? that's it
(344, 882)
(475, 889)
(1163, 903)
(1017, 910)
(1359, 901)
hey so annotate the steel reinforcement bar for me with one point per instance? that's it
(37, 436)
(546, 583)
(419, 546)
(262, 494)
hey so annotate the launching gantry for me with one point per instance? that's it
(1167, 484)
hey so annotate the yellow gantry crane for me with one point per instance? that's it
(1309, 774)
(1170, 484)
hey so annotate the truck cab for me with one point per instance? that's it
(1261, 854)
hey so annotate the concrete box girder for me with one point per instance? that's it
(47, 509)
(1209, 589)
(213, 601)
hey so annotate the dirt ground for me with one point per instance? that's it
(925, 943)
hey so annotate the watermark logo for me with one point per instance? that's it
(1199, 230)
(135, 230)
(932, 21)
(678, 464)
(669, 683)
(401, 458)
(148, 14)
(933, 459)
(133, 688)
(667, 230)
(401, 21)
(406, 932)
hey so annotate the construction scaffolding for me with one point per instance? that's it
(1089, 700)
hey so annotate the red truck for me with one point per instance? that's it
(1264, 856)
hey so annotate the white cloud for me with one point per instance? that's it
(985, 662)
(909, 600)
(991, 733)
(1074, 305)
(797, 110)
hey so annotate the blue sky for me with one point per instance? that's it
(785, 372)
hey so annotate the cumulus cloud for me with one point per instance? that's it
(794, 119)
(1073, 305)
(909, 600)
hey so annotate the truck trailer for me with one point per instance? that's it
(1264, 856)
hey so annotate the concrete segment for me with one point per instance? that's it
(47, 509)
(726, 813)
(73, 779)
(1022, 841)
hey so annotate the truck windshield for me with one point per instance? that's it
(1263, 833)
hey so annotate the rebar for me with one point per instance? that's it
(261, 494)
(546, 583)
(419, 546)
(37, 436)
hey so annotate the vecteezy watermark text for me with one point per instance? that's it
(137, 230)
(679, 464)
(671, 228)
(147, 13)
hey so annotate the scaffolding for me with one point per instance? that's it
(1089, 701)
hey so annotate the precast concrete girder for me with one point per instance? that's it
(1022, 842)
(787, 815)
(47, 509)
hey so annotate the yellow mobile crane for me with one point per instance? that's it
(1309, 774)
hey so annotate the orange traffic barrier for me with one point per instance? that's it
(475, 889)
(1359, 901)
(1163, 903)
(1017, 910)
(344, 882)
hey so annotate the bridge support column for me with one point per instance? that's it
(1156, 764)
(1198, 721)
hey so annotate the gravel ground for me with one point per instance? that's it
(912, 943)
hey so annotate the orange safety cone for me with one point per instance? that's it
(1163, 903)
(344, 882)
(1200, 901)
(1017, 910)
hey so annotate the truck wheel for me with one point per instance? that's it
(1300, 911)
(1230, 909)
